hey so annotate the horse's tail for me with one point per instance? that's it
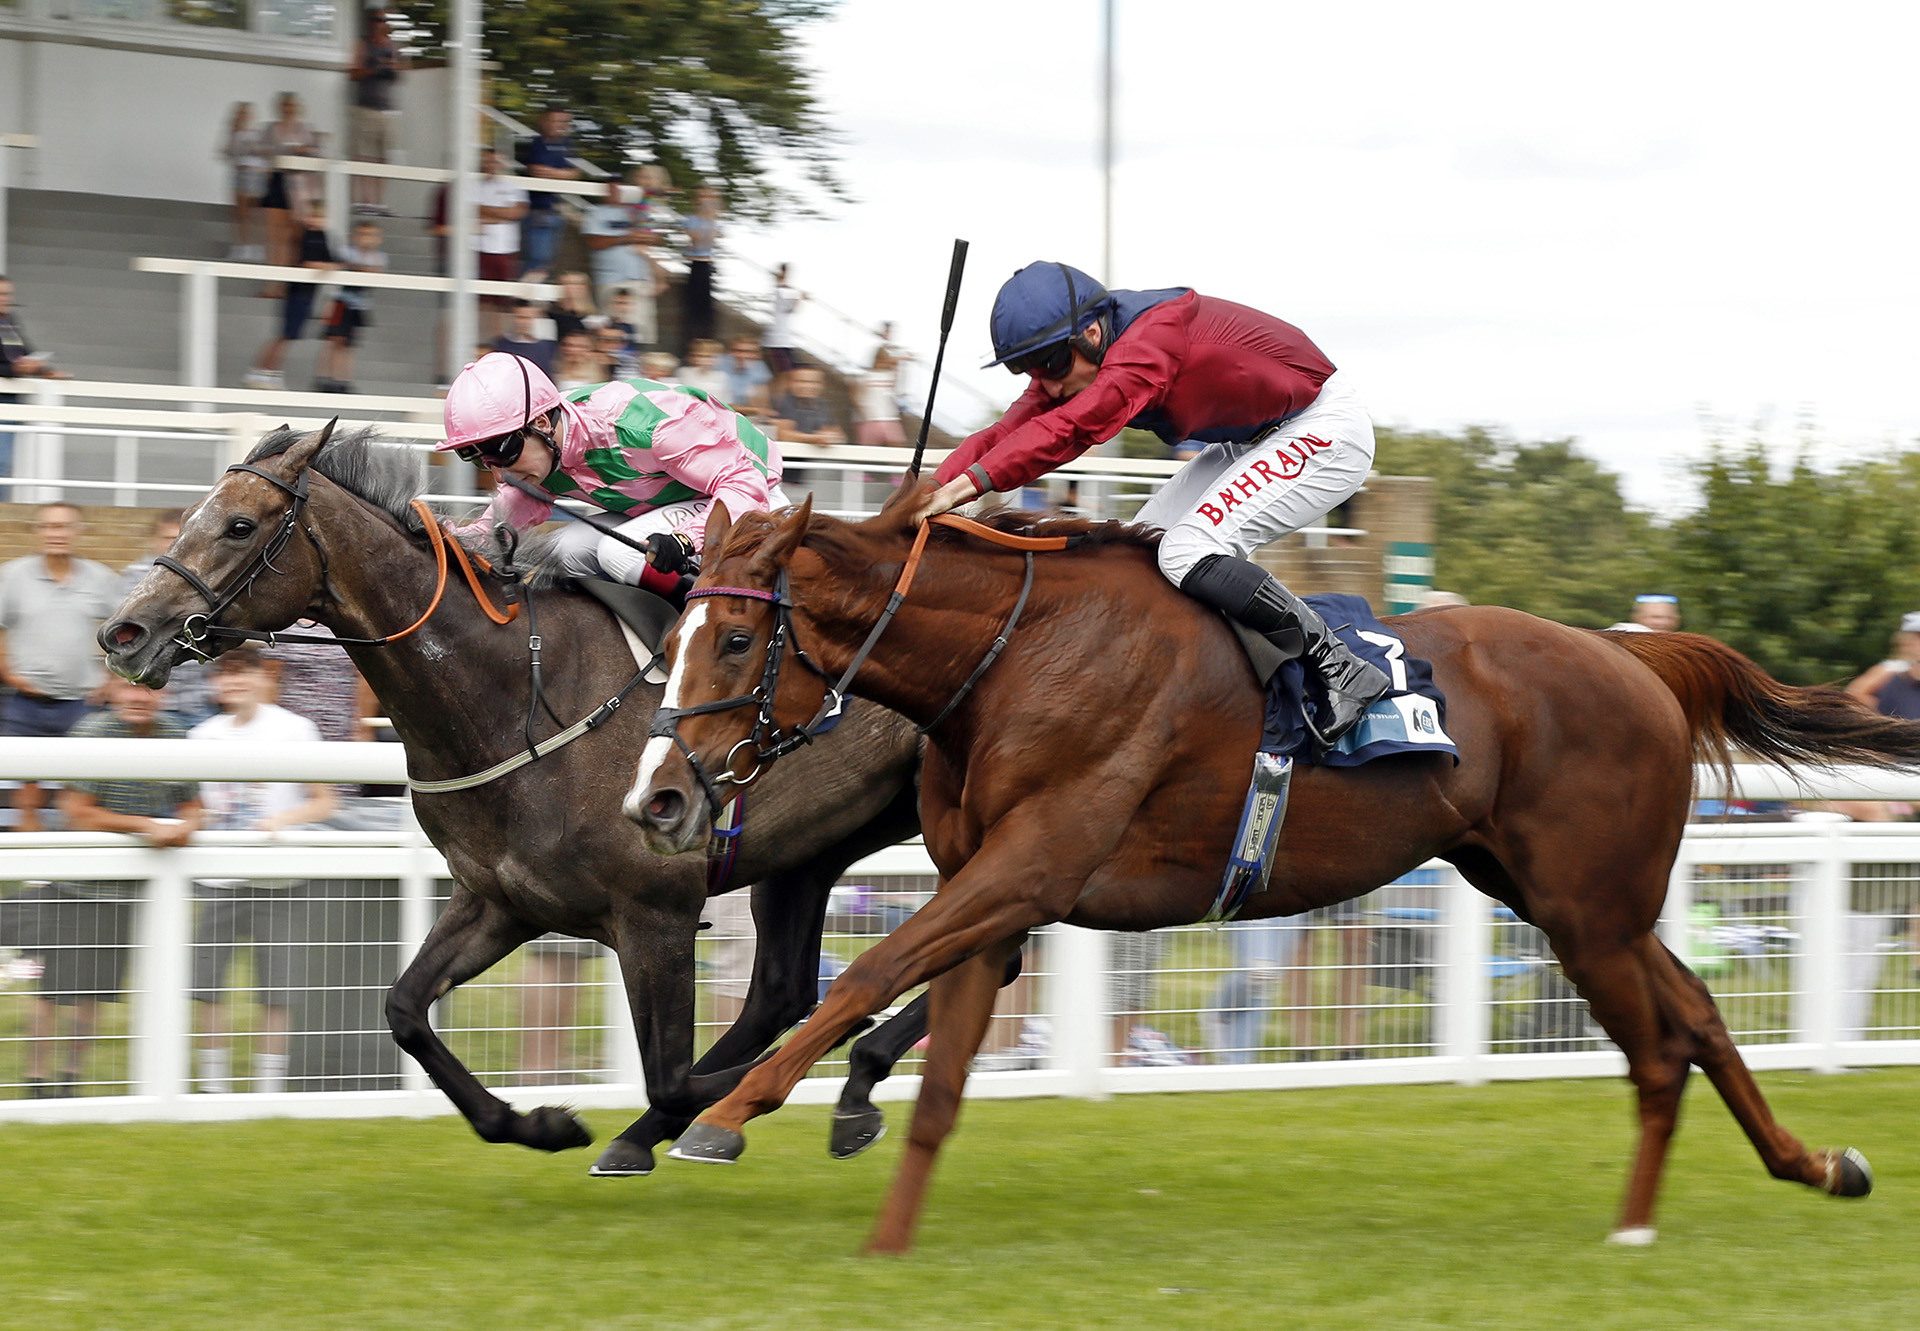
(1733, 706)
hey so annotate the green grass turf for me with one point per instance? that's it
(1375, 1208)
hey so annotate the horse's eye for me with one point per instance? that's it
(737, 643)
(239, 528)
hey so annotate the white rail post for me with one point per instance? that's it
(1822, 910)
(1077, 999)
(4, 146)
(416, 919)
(625, 1063)
(41, 449)
(1465, 1021)
(162, 1018)
(1676, 913)
(197, 333)
(126, 471)
(339, 214)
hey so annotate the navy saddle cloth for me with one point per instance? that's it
(1411, 718)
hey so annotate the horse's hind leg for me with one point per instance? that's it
(1619, 991)
(470, 936)
(1843, 1173)
(857, 1122)
(962, 1005)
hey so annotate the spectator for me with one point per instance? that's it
(80, 932)
(578, 364)
(189, 687)
(51, 605)
(1893, 687)
(1265, 952)
(18, 360)
(502, 204)
(622, 314)
(1135, 961)
(260, 913)
(297, 305)
(1653, 612)
(663, 200)
(349, 313)
(777, 342)
(548, 155)
(803, 415)
(287, 192)
(618, 234)
(876, 401)
(703, 238)
(702, 370)
(375, 72)
(748, 378)
(245, 152)
(523, 337)
(616, 352)
(574, 311)
(660, 366)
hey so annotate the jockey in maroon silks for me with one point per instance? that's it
(1283, 440)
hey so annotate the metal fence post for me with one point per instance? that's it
(162, 1004)
(1464, 1016)
(1822, 906)
(197, 315)
(1077, 999)
(416, 919)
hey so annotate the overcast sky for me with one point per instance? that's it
(1637, 225)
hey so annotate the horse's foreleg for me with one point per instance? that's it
(470, 936)
(1840, 1172)
(1028, 873)
(962, 1007)
(857, 1121)
(787, 914)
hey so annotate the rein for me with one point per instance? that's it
(767, 742)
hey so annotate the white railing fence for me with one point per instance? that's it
(1805, 930)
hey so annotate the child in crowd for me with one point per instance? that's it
(703, 371)
(578, 363)
(620, 313)
(749, 381)
(660, 366)
(246, 153)
(617, 352)
(349, 314)
(297, 305)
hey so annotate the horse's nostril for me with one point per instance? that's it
(125, 633)
(664, 808)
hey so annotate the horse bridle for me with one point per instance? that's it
(767, 742)
(199, 627)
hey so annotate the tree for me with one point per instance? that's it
(711, 89)
(1539, 526)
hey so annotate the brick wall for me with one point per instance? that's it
(1390, 509)
(113, 536)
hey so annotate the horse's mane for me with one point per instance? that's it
(362, 462)
(389, 476)
(1089, 532)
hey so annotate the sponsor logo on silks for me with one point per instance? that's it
(1283, 465)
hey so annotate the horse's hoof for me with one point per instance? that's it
(622, 1159)
(855, 1132)
(1848, 1173)
(550, 1128)
(708, 1145)
(1634, 1236)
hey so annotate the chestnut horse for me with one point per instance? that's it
(1095, 774)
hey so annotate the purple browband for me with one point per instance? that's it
(751, 593)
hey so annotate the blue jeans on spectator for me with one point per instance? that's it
(540, 239)
(1243, 1003)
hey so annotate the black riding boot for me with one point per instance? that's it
(1248, 593)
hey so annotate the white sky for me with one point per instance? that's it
(1636, 224)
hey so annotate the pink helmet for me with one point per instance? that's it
(494, 396)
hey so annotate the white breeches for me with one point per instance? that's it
(1234, 498)
(584, 553)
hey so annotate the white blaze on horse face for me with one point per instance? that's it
(660, 746)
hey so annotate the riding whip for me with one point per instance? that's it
(946, 326)
(605, 526)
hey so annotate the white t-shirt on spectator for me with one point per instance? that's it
(239, 806)
(498, 237)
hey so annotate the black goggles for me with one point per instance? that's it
(501, 452)
(1047, 362)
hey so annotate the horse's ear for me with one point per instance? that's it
(304, 450)
(778, 548)
(901, 506)
(719, 523)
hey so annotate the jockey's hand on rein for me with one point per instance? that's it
(960, 490)
(670, 552)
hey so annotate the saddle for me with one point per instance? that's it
(644, 619)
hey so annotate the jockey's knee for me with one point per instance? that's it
(620, 561)
(1185, 544)
(576, 552)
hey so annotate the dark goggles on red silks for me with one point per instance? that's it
(1051, 362)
